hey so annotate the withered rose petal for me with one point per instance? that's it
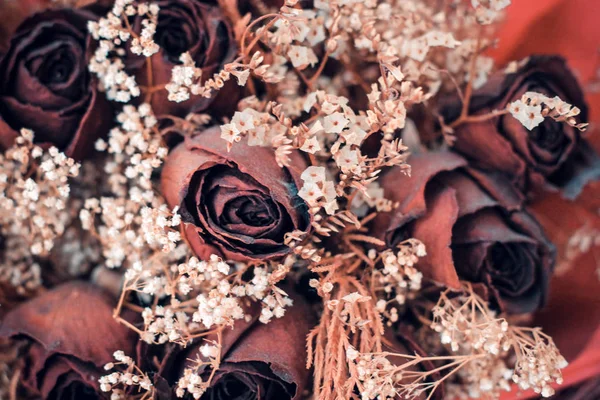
(200, 28)
(237, 204)
(410, 191)
(264, 361)
(434, 229)
(551, 155)
(468, 234)
(72, 334)
(45, 84)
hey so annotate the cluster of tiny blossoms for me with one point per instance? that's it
(112, 33)
(134, 218)
(468, 327)
(127, 376)
(399, 277)
(532, 108)
(215, 297)
(487, 11)
(34, 199)
(34, 190)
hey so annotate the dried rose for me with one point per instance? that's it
(72, 334)
(45, 84)
(253, 367)
(467, 233)
(193, 26)
(553, 154)
(237, 204)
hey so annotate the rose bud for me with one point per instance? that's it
(252, 367)
(72, 334)
(467, 233)
(237, 204)
(45, 84)
(553, 154)
(199, 28)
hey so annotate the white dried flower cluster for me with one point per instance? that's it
(539, 362)
(399, 278)
(163, 324)
(532, 108)
(191, 382)
(134, 219)
(113, 33)
(18, 268)
(202, 295)
(318, 191)
(373, 197)
(297, 32)
(468, 327)
(34, 192)
(487, 11)
(128, 375)
(376, 374)
(187, 79)
(420, 36)
(389, 376)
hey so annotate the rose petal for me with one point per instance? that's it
(434, 229)
(72, 319)
(409, 192)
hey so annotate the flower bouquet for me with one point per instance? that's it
(309, 199)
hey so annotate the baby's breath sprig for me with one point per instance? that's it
(34, 198)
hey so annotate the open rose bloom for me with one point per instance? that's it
(286, 200)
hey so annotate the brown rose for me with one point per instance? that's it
(262, 361)
(238, 204)
(72, 334)
(45, 84)
(193, 26)
(467, 233)
(552, 154)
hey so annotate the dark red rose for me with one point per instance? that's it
(552, 154)
(263, 361)
(468, 234)
(238, 204)
(45, 84)
(194, 26)
(72, 334)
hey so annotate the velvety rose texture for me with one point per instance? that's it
(72, 334)
(237, 204)
(200, 28)
(45, 84)
(469, 232)
(263, 361)
(552, 154)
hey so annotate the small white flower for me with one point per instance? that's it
(335, 122)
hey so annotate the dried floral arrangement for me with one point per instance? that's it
(264, 200)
